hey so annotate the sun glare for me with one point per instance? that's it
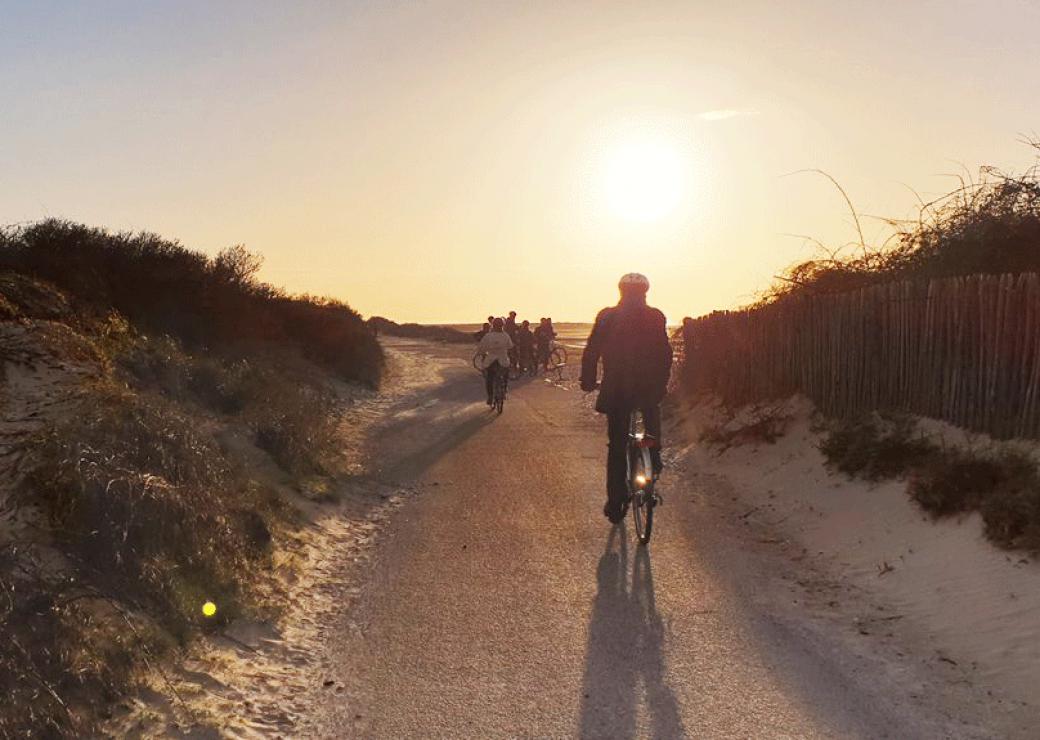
(644, 179)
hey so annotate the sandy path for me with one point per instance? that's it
(899, 583)
(500, 604)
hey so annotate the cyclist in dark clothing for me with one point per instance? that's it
(524, 340)
(632, 342)
(543, 337)
(511, 329)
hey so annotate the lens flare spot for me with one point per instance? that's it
(209, 609)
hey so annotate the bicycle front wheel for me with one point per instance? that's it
(643, 516)
(642, 505)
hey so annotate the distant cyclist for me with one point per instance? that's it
(510, 328)
(632, 341)
(543, 337)
(524, 340)
(494, 353)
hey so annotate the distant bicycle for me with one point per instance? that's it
(641, 478)
(553, 365)
(498, 390)
(553, 362)
(498, 396)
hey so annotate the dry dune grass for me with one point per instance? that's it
(122, 510)
(990, 224)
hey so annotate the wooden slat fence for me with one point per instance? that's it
(963, 349)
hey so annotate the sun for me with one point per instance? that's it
(644, 179)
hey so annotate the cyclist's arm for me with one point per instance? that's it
(662, 352)
(591, 354)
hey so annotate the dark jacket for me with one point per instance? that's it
(524, 338)
(632, 341)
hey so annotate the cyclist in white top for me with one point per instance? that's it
(494, 350)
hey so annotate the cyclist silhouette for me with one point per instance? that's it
(632, 342)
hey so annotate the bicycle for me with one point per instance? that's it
(515, 372)
(641, 478)
(554, 361)
(498, 389)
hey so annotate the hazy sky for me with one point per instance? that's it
(437, 161)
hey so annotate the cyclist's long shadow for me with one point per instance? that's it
(625, 651)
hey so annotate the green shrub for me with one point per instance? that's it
(875, 447)
(954, 483)
(1012, 511)
(1004, 487)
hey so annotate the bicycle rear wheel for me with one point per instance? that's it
(500, 391)
(557, 362)
(643, 516)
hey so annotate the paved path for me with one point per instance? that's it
(501, 604)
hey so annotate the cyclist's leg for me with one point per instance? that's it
(617, 450)
(489, 380)
(652, 424)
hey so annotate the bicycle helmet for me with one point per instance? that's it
(634, 281)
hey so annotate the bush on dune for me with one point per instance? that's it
(206, 303)
(293, 414)
(153, 516)
(1002, 485)
(151, 521)
(149, 505)
(875, 447)
(420, 331)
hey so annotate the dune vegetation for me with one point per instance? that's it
(140, 380)
(990, 225)
(419, 331)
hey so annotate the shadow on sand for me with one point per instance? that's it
(624, 661)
